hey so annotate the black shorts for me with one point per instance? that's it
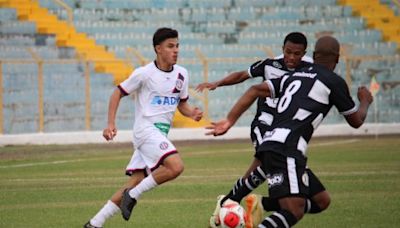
(315, 184)
(286, 176)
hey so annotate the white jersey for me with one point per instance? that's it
(158, 94)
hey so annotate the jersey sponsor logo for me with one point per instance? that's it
(161, 100)
(305, 75)
(163, 127)
(163, 145)
(276, 179)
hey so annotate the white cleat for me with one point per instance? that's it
(214, 219)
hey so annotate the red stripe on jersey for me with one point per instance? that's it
(184, 99)
(122, 90)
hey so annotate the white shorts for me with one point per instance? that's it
(150, 154)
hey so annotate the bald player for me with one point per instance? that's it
(305, 98)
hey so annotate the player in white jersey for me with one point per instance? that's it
(304, 98)
(160, 88)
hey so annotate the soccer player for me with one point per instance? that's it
(294, 50)
(160, 88)
(305, 98)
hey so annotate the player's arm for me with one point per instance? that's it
(110, 132)
(356, 119)
(230, 79)
(189, 111)
(244, 102)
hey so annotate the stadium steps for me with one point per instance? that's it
(67, 36)
(378, 16)
(86, 48)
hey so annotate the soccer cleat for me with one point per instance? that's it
(254, 210)
(127, 204)
(88, 225)
(214, 219)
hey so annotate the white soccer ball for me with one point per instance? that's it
(231, 215)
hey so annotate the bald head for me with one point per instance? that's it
(326, 52)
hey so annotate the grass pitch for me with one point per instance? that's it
(63, 186)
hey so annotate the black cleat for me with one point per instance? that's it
(127, 204)
(88, 225)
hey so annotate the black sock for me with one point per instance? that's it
(247, 185)
(270, 204)
(280, 218)
(312, 207)
(237, 185)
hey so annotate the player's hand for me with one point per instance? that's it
(364, 94)
(109, 133)
(206, 85)
(197, 114)
(219, 128)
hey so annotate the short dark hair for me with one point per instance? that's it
(162, 34)
(296, 38)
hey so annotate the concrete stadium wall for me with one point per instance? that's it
(182, 134)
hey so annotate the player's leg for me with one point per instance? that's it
(292, 210)
(317, 201)
(254, 175)
(111, 208)
(172, 167)
(160, 154)
(288, 182)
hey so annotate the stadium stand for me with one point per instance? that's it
(228, 35)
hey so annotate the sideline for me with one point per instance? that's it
(23, 165)
(183, 134)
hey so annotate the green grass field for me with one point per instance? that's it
(63, 186)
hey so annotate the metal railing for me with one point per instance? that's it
(201, 59)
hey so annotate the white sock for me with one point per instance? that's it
(145, 185)
(109, 210)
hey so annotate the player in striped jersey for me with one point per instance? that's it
(294, 49)
(305, 98)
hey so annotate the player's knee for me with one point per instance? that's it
(174, 165)
(295, 207)
(298, 213)
(323, 200)
(324, 203)
(176, 170)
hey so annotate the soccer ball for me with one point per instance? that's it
(231, 215)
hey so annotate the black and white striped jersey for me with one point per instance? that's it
(268, 69)
(304, 99)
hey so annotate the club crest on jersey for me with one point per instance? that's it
(179, 84)
(163, 145)
(276, 64)
(161, 100)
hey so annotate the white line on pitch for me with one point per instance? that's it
(190, 153)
